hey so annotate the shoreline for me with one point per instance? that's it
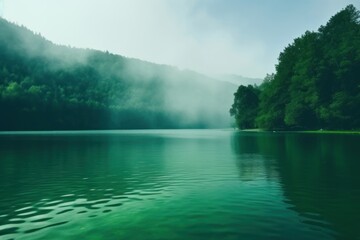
(353, 132)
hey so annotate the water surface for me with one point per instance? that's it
(179, 184)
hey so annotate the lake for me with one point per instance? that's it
(179, 184)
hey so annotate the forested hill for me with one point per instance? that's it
(316, 84)
(44, 86)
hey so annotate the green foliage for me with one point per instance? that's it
(317, 79)
(44, 86)
(245, 106)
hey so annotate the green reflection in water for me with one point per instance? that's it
(319, 175)
(178, 184)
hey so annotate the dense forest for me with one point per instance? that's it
(44, 86)
(316, 84)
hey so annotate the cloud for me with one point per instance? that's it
(1, 8)
(170, 32)
(210, 36)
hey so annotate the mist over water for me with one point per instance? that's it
(190, 96)
(66, 174)
(113, 91)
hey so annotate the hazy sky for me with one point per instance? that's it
(211, 36)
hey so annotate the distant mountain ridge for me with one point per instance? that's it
(44, 86)
(240, 80)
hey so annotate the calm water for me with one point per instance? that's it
(179, 184)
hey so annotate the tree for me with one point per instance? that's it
(245, 107)
(317, 80)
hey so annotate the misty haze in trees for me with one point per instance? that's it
(316, 84)
(44, 86)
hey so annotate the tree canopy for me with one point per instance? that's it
(316, 84)
(44, 86)
(245, 106)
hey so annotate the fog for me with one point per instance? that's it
(208, 36)
(181, 44)
(192, 98)
(186, 98)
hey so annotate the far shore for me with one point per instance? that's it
(320, 131)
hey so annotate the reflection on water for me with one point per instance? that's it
(49, 179)
(319, 175)
(178, 184)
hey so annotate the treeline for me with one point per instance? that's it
(44, 86)
(316, 84)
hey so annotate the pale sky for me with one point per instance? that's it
(241, 37)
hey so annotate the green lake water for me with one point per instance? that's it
(179, 184)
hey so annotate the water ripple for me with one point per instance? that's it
(48, 212)
(179, 185)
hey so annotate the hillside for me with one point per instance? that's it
(44, 86)
(316, 84)
(240, 80)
